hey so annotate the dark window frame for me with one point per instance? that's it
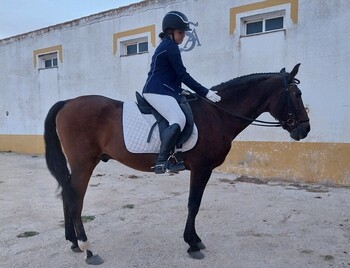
(135, 47)
(264, 24)
(49, 60)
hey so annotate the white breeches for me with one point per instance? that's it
(168, 107)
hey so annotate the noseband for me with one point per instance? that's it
(291, 122)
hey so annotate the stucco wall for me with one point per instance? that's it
(90, 62)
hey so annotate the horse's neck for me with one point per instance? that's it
(248, 102)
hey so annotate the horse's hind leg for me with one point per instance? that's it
(79, 181)
(69, 226)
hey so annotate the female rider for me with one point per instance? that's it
(163, 86)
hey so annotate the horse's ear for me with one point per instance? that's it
(283, 70)
(294, 72)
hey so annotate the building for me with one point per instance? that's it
(109, 54)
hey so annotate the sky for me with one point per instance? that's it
(22, 16)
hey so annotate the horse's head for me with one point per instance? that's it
(289, 109)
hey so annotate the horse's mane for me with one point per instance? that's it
(246, 80)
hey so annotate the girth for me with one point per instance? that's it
(146, 108)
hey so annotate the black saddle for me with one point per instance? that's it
(162, 123)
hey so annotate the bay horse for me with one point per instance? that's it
(85, 130)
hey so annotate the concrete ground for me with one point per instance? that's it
(139, 220)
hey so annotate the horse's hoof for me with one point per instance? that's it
(200, 245)
(94, 260)
(198, 255)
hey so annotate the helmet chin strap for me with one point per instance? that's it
(171, 34)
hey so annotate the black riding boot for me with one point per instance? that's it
(169, 138)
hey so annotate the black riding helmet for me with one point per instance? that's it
(175, 20)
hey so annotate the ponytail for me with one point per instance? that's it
(166, 33)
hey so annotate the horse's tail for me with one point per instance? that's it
(55, 159)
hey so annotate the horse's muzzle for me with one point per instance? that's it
(300, 131)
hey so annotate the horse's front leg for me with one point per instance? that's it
(199, 180)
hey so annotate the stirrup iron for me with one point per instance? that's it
(174, 166)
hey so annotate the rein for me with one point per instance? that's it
(261, 123)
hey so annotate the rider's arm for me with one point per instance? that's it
(177, 64)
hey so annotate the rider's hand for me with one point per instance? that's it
(186, 92)
(211, 95)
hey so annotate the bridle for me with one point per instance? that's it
(290, 122)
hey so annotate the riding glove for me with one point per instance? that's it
(186, 92)
(211, 95)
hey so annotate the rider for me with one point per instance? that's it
(163, 86)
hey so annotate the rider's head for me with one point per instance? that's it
(174, 21)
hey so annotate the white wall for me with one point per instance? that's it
(319, 40)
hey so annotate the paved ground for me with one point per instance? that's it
(139, 220)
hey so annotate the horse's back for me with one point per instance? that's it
(93, 101)
(89, 122)
(89, 111)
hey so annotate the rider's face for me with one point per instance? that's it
(179, 36)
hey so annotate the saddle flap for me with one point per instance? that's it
(136, 127)
(142, 104)
(187, 131)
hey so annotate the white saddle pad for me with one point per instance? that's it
(136, 127)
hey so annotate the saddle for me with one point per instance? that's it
(146, 108)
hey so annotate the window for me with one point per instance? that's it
(48, 60)
(47, 57)
(288, 9)
(136, 46)
(274, 24)
(254, 27)
(263, 25)
(146, 34)
(51, 63)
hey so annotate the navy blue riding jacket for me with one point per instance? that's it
(168, 72)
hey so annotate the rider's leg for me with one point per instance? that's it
(169, 108)
(169, 138)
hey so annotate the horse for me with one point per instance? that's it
(88, 129)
